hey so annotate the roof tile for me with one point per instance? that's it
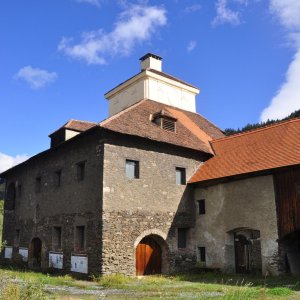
(265, 148)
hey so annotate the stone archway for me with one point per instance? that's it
(148, 257)
(247, 250)
(151, 253)
(35, 253)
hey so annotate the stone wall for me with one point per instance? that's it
(151, 205)
(116, 211)
(73, 203)
(248, 203)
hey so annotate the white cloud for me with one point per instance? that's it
(7, 162)
(288, 12)
(192, 8)
(226, 14)
(287, 98)
(93, 2)
(191, 46)
(135, 25)
(35, 77)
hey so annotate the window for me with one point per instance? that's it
(38, 184)
(201, 207)
(202, 254)
(132, 169)
(81, 171)
(79, 238)
(56, 237)
(182, 237)
(19, 190)
(17, 237)
(58, 178)
(180, 176)
(10, 198)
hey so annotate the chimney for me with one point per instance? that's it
(151, 61)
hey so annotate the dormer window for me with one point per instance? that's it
(165, 120)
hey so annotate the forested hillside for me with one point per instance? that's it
(230, 131)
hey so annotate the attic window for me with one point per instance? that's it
(165, 121)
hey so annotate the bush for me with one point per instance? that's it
(114, 280)
(16, 291)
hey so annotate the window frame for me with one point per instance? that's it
(57, 245)
(182, 240)
(202, 254)
(81, 170)
(136, 170)
(80, 244)
(17, 237)
(182, 172)
(58, 174)
(201, 206)
(38, 184)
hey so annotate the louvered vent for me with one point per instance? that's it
(164, 120)
(168, 124)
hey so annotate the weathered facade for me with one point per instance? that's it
(156, 188)
(239, 208)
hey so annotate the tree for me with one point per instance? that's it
(231, 131)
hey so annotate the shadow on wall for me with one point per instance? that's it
(183, 256)
(290, 246)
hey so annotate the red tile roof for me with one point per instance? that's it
(262, 149)
(192, 130)
(76, 125)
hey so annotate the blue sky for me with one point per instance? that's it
(59, 57)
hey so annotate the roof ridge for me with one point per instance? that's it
(103, 122)
(81, 121)
(266, 127)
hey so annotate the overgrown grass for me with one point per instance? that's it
(201, 286)
(204, 286)
(22, 291)
(40, 278)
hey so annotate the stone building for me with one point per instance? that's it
(156, 188)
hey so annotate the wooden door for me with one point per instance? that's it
(148, 257)
(241, 254)
(36, 252)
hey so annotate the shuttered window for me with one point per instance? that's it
(132, 169)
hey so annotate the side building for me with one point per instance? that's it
(248, 199)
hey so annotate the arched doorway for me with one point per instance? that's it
(148, 257)
(290, 246)
(247, 248)
(36, 252)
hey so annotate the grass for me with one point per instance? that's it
(41, 278)
(204, 286)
